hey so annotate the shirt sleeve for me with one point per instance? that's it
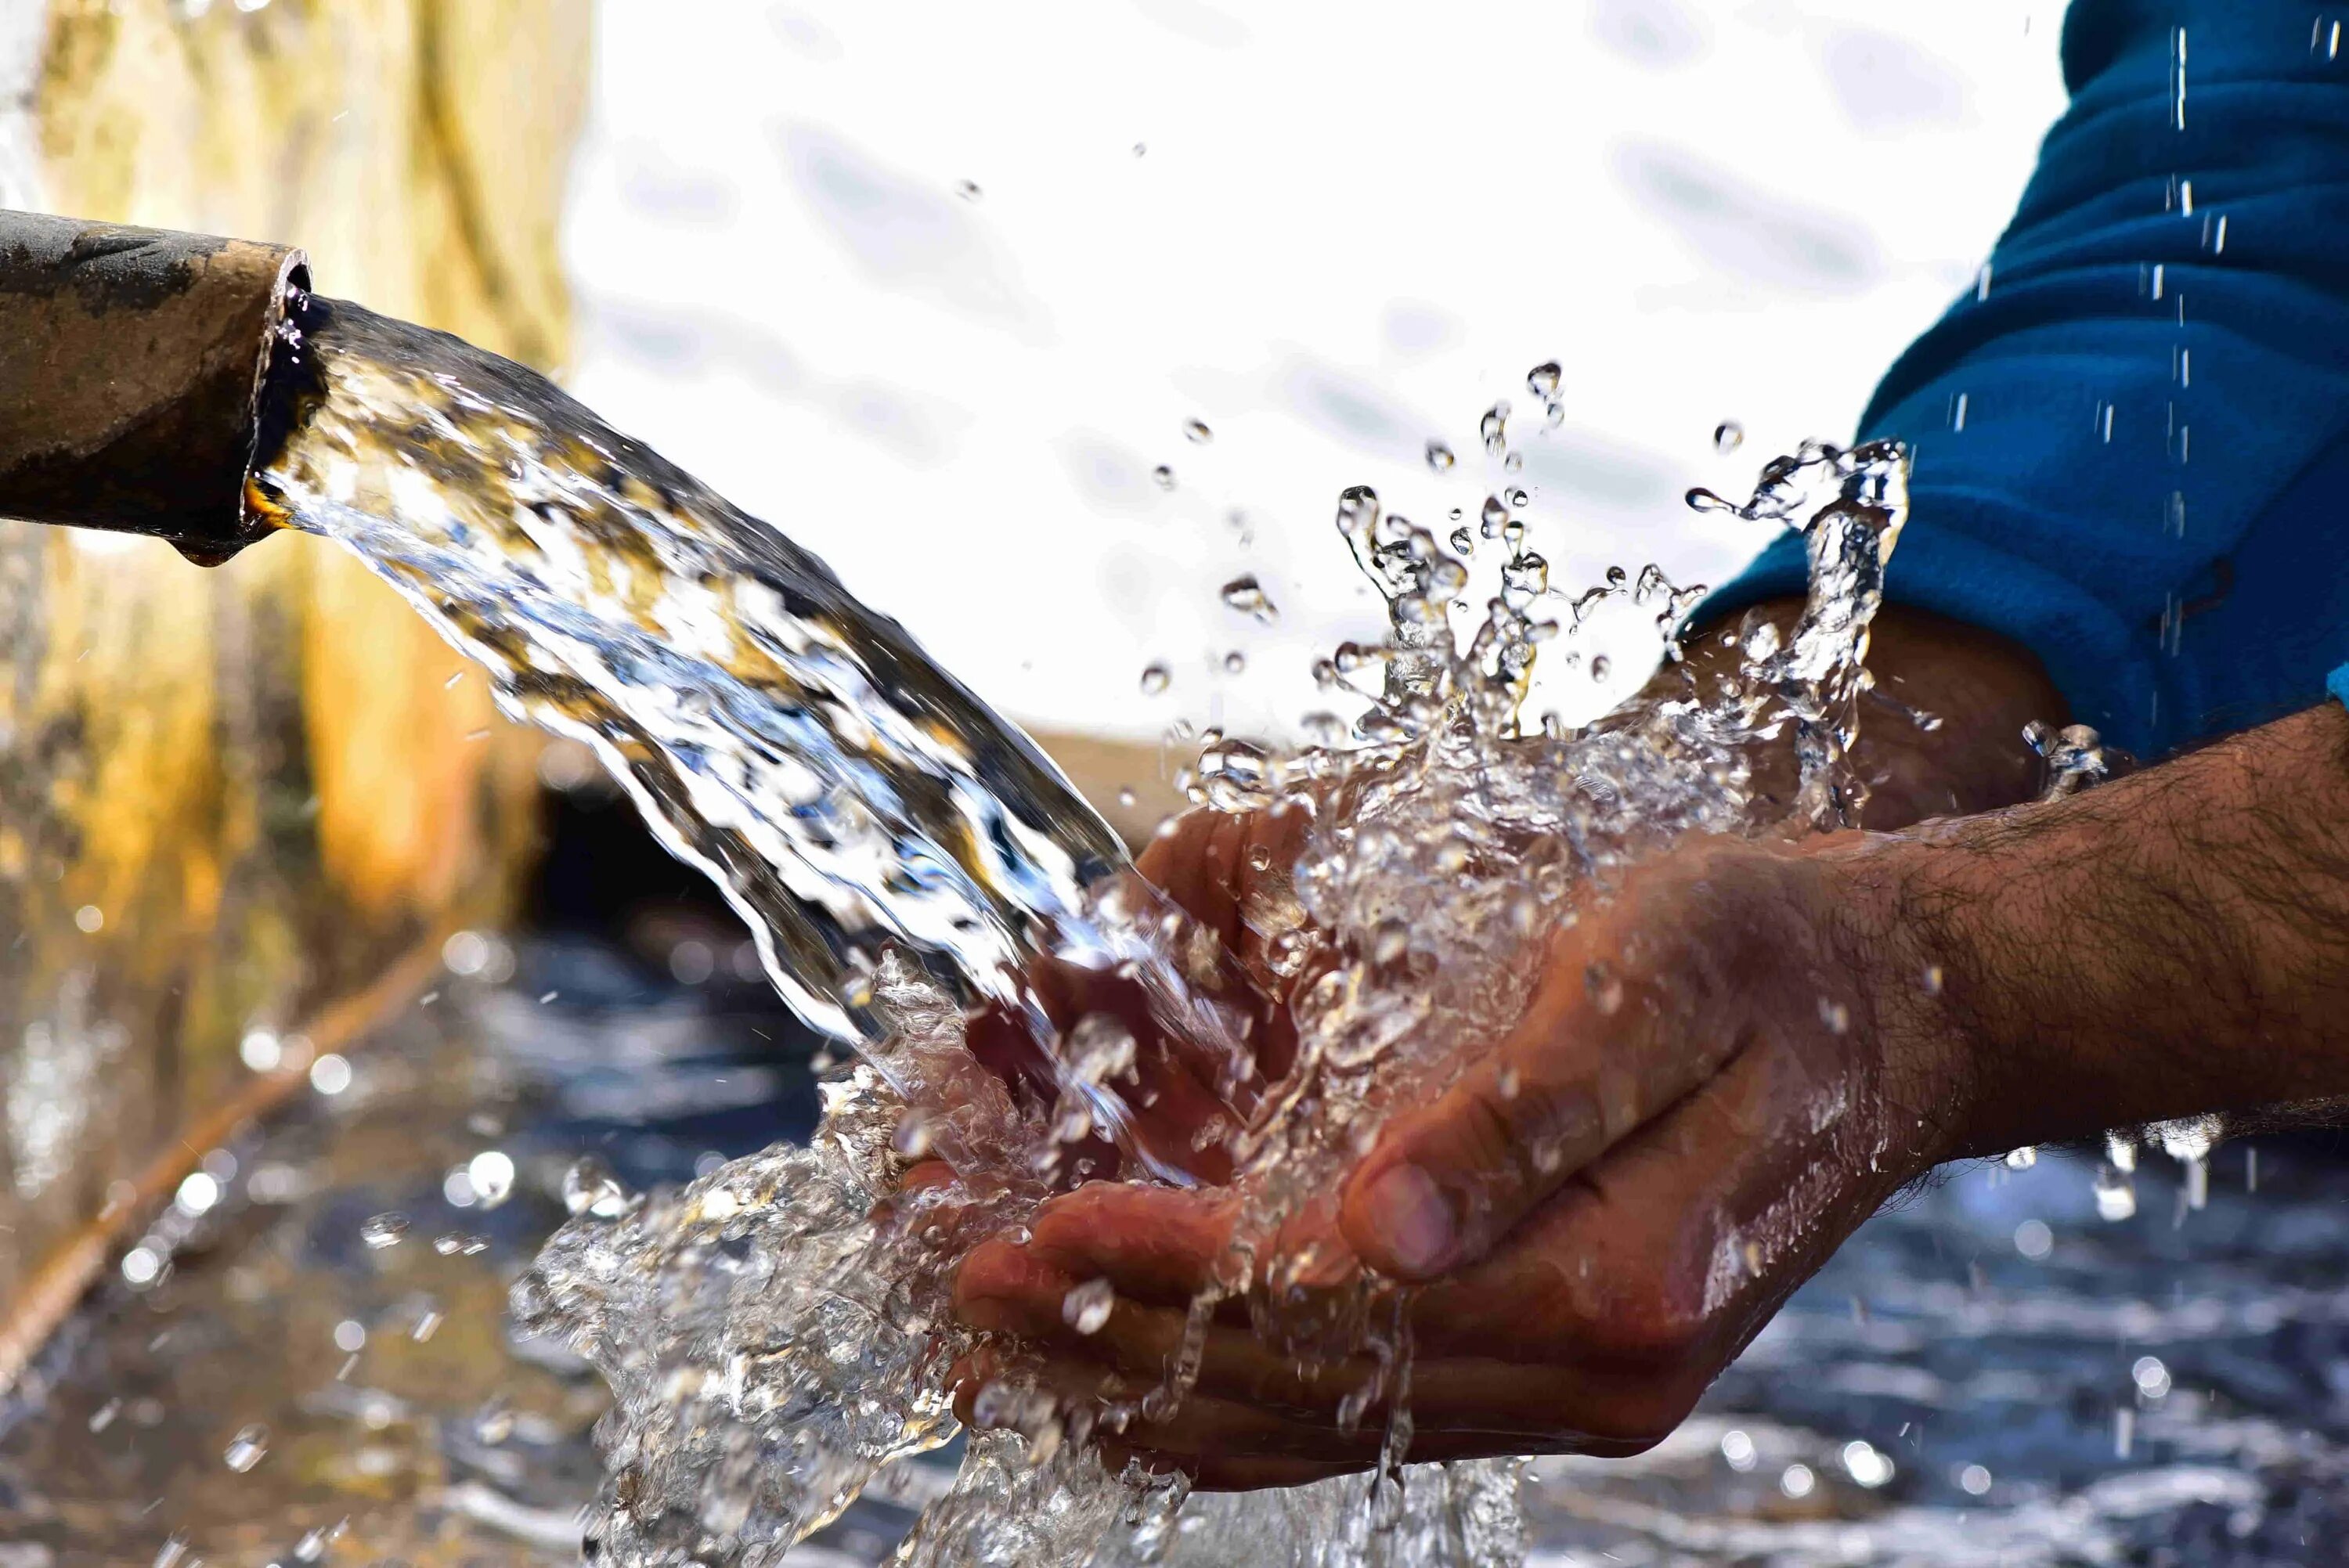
(2131, 443)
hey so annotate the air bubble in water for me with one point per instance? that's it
(384, 1231)
(1155, 678)
(1196, 431)
(247, 1449)
(1727, 436)
(1086, 1308)
(1439, 457)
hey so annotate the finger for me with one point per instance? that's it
(1151, 1244)
(1602, 1046)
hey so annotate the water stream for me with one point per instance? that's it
(774, 1334)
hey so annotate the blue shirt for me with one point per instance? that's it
(2132, 445)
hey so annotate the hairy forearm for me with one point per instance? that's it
(2172, 943)
(1943, 733)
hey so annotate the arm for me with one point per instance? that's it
(2174, 943)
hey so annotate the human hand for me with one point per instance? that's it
(1224, 880)
(1721, 1073)
(1512, 1356)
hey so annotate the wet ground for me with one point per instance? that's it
(320, 1372)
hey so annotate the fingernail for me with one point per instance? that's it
(1408, 1213)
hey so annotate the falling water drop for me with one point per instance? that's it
(589, 1187)
(1196, 432)
(1164, 476)
(1463, 541)
(1246, 595)
(1602, 666)
(1495, 427)
(1155, 678)
(1542, 380)
(1727, 436)
(967, 189)
(247, 1449)
(1440, 458)
(384, 1231)
(1086, 1308)
(1235, 663)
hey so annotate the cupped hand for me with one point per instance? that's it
(1722, 1072)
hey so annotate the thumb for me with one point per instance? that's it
(1581, 1068)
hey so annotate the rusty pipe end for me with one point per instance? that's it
(132, 368)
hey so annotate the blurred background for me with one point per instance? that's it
(305, 941)
(936, 288)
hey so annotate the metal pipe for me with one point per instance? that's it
(132, 363)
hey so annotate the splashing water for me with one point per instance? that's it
(778, 1330)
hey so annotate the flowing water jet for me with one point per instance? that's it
(777, 1331)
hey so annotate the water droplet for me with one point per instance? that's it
(1391, 942)
(1835, 1015)
(1246, 595)
(1512, 463)
(495, 1422)
(1493, 515)
(1164, 476)
(461, 1243)
(492, 1173)
(968, 189)
(1605, 989)
(1602, 666)
(1727, 436)
(589, 1187)
(384, 1231)
(1234, 663)
(1101, 1049)
(1127, 798)
(1440, 458)
(1543, 378)
(2022, 1159)
(1494, 428)
(247, 1449)
(1518, 497)
(1155, 678)
(1141, 148)
(2115, 1195)
(1463, 541)
(1196, 432)
(1934, 979)
(1703, 500)
(2033, 1240)
(1509, 1082)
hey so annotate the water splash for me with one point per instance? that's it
(779, 1329)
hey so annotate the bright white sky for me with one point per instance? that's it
(1331, 231)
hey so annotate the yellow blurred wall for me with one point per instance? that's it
(228, 797)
